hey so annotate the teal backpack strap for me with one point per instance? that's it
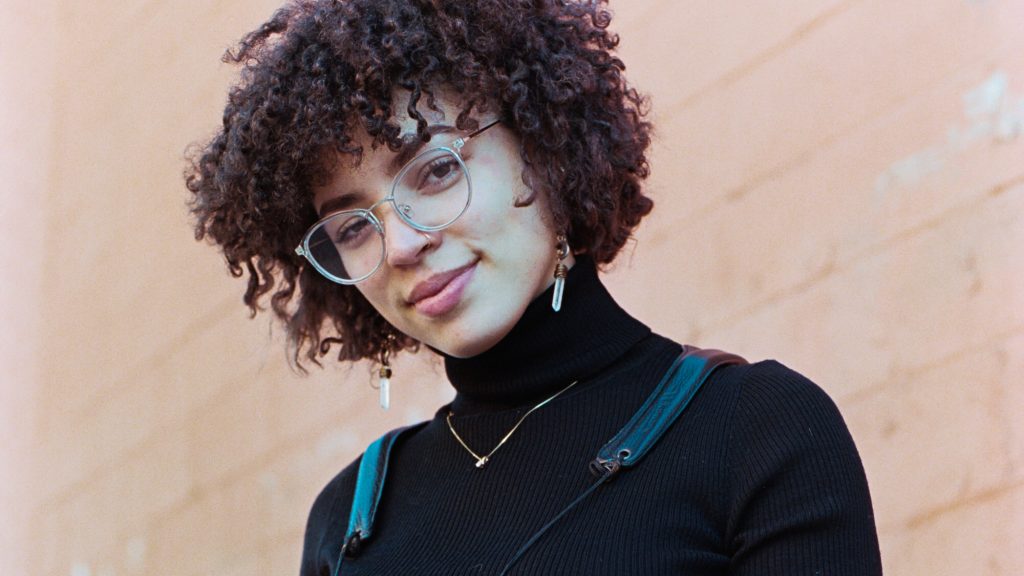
(373, 469)
(668, 400)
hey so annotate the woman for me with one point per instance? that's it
(451, 173)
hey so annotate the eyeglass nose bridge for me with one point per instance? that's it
(398, 210)
(386, 239)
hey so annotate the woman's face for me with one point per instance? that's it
(461, 289)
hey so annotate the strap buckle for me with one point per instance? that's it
(353, 545)
(607, 467)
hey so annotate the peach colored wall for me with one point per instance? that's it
(26, 130)
(847, 178)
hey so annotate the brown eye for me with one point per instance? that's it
(352, 232)
(438, 174)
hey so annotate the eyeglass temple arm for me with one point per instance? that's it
(463, 140)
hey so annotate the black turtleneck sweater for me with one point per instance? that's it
(759, 476)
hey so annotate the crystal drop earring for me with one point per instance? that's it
(384, 373)
(561, 250)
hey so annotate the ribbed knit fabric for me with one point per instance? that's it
(759, 476)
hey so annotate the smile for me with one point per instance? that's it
(441, 293)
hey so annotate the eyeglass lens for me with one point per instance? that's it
(430, 192)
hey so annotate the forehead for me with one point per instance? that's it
(443, 108)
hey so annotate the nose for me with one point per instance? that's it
(405, 245)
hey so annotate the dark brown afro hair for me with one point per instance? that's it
(319, 70)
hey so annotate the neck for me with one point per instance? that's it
(547, 350)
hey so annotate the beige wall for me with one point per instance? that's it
(847, 178)
(26, 139)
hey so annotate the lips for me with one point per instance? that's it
(441, 292)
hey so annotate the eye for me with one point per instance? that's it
(441, 170)
(353, 232)
(437, 174)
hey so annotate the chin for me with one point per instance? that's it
(467, 348)
(474, 336)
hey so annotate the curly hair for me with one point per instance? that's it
(320, 69)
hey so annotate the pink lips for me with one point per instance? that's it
(442, 292)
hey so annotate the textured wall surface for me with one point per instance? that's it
(27, 69)
(839, 185)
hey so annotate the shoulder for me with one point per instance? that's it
(787, 431)
(335, 495)
(799, 499)
(768, 415)
(776, 400)
(328, 517)
(766, 393)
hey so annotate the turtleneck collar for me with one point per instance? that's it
(547, 350)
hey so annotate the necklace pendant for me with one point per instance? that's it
(481, 461)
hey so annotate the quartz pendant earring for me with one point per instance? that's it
(384, 386)
(561, 250)
(384, 374)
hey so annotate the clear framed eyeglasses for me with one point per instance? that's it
(429, 193)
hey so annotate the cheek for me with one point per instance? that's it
(494, 215)
(374, 290)
(505, 229)
(485, 221)
(497, 187)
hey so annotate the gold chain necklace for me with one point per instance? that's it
(481, 460)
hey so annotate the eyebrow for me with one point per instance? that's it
(339, 203)
(411, 146)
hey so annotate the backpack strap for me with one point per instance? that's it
(373, 469)
(668, 400)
